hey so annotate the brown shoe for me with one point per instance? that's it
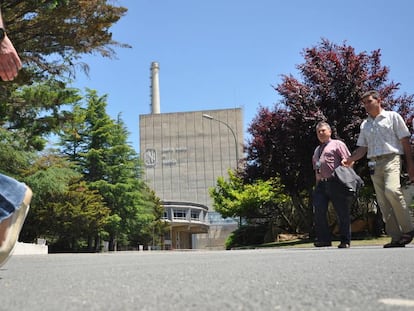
(16, 224)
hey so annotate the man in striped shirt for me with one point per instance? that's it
(326, 158)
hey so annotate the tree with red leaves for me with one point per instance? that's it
(284, 138)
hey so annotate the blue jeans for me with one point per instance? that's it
(342, 200)
(11, 195)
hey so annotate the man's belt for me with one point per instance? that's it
(383, 156)
(327, 179)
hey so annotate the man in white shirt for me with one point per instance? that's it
(384, 137)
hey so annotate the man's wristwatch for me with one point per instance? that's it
(2, 34)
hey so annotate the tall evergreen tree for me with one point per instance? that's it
(51, 37)
(111, 166)
(64, 210)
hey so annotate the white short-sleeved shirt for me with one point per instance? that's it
(382, 135)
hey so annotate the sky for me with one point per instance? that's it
(221, 54)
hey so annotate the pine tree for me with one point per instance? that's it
(111, 166)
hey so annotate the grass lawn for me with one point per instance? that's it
(307, 243)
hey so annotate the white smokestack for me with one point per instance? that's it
(155, 88)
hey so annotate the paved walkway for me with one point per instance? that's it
(360, 278)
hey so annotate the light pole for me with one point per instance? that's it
(235, 142)
(207, 116)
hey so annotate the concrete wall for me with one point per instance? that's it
(30, 249)
(184, 153)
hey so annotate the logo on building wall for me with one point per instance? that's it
(168, 156)
(150, 157)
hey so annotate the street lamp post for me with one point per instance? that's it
(235, 142)
(231, 130)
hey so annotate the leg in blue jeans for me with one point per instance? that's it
(14, 204)
(320, 210)
(342, 200)
(12, 193)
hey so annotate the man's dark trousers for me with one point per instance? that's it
(332, 190)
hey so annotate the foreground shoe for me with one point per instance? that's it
(406, 238)
(322, 244)
(344, 245)
(4, 229)
(393, 244)
(16, 224)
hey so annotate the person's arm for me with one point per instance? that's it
(355, 156)
(408, 157)
(10, 62)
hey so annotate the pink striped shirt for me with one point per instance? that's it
(332, 154)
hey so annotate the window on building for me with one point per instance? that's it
(195, 215)
(180, 214)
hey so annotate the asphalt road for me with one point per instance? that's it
(360, 278)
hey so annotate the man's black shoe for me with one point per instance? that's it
(394, 244)
(344, 245)
(406, 238)
(322, 244)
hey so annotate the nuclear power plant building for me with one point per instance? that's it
(183, 154)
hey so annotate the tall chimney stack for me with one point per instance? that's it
(155, 88)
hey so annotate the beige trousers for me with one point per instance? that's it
(386, 180)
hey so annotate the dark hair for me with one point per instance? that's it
(372, 93)
(323, 123)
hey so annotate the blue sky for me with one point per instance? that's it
(217, 54)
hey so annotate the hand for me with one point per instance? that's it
(10, 63)
(347, 162)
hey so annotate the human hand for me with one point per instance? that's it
(347, 162)
(10, 62)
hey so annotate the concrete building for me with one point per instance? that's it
(184, 153)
